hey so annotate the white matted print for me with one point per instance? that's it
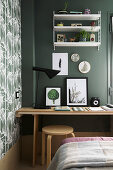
(60, 62)
(77, 91)
(53, 96)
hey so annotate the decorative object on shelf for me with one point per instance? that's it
(60, 37)
(87, 11)
(60, 62)
(95, 102)
(50, 73)
(84, 67)
(60, 24)
(93, 23)
(76, 24)
(53, 96)
(65, 39)
(64, 11)
(75, 57)
(92, 37)
(72, 39)
(77, 91)
(84, 36)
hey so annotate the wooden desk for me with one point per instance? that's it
(37, 112)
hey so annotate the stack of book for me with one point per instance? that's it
(106, 108)
(80, 109)
(75, 12)
(62, 108)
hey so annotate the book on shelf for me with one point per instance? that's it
(80, 108)
(96, 109)
(62, 108)
(75, 12)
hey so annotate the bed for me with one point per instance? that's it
(84, 153)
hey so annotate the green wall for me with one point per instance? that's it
(97, 77)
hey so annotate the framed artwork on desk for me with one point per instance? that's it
(77, 91)
(53, 96)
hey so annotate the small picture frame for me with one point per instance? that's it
(60, 37)
(60, 62)
(53, 96)
(77, 91)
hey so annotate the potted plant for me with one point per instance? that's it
(65, 6)
(84, 36)
(64, 11)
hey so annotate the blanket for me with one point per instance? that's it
(84, 156)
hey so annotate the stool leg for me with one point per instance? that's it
(43, 148)
(49, 149)
(73, 135)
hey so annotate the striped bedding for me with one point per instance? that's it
(84, 155)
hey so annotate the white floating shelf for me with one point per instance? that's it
(76, 28)
(77, 44)
(77, 16)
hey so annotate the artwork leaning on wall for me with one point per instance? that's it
(10, 72)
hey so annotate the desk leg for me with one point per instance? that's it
(111, 125)
(35, 134)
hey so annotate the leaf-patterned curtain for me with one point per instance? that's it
(10, 72)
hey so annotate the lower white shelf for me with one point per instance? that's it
(77, 44)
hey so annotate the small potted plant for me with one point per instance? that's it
(64, 11)
(83, 36)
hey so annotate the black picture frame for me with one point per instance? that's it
(77, 91)
(52, 101)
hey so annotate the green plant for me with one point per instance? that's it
(83, 35)
(88, 37)
(65, 6)
(53, 95)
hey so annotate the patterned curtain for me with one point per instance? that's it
(10, 72)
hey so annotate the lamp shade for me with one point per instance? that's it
(50, 73)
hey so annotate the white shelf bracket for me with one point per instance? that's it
(99, 32)
(54, 47)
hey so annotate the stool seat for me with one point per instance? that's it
(51, 131)
(57, 130)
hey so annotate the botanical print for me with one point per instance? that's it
(60, 62)
(77, 91)
(52, 96)
(10, 72)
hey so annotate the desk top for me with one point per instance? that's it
(32, 111)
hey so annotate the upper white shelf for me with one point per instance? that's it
(77, 44)
(77, 16)
(76, 28)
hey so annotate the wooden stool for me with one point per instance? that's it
(50, 131)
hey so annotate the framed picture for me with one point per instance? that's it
(60, 37)
(77, 91)
(53, 96)
(60, 62)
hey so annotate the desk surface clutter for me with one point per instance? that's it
(65, 110)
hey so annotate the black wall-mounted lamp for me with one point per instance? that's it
(50, 73)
